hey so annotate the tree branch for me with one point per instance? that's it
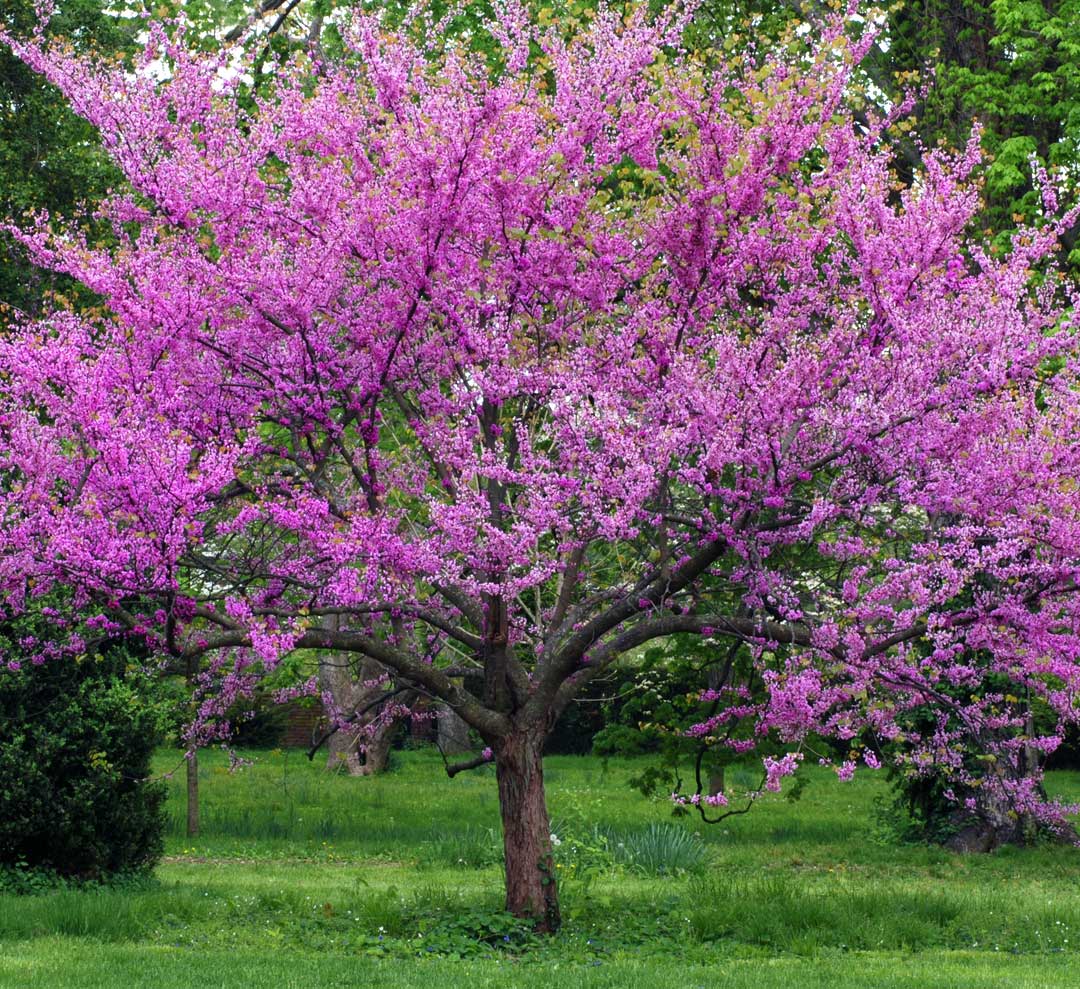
(357, 714)
(490, 724)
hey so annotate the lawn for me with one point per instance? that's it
(308, 879)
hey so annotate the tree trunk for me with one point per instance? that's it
(453, 733)
(531, 888)
(991, 825)
(377, 748)
(994, 821)
(193, 795)
(190, 673)
(342, 753)
(363, 747)
(363, 751)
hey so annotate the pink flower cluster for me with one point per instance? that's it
(411, 360)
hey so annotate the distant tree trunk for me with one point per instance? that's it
(718, 678)
(995, 822)
(453, 733)
(193, 795)
(531, 888)
(362, 747)
(377, 749)
(342, 752)
(190, 673)
(992, 824)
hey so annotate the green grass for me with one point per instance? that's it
(63, 964)
(307, 879)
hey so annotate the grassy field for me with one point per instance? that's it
(308, 879)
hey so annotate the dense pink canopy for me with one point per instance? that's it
(528, 358)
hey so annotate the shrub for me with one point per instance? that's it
(75, 745)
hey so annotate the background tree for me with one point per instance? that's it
(50, 158)
(1012, 67)
(363, 708)
(515, 358)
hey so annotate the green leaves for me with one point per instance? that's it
(75, 747)
(1011, 168)
(49, 158)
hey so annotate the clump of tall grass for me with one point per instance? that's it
(790, 914)
(661, 849)
(472, 847)
(103, 914)
(805, 913)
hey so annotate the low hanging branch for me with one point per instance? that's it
(453, 768)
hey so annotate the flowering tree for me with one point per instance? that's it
(510, 359)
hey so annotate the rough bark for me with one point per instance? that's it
(453, 732)
(343, 753)
(377, 749)
(992, 825)
(994, 822)
(531, 887)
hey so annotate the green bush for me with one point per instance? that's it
(75, 745)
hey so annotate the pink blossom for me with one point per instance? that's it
(777, 769)
(383, 369)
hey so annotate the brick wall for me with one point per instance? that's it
(304, 724)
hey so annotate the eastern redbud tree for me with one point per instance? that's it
(513, 357)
